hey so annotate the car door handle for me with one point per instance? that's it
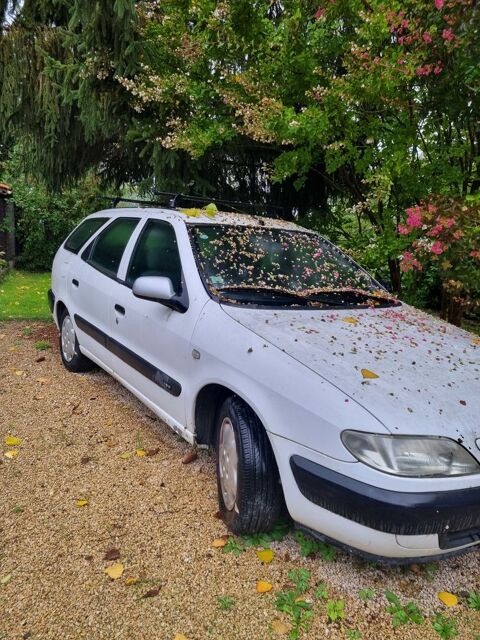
(119, 309)
(75, 282)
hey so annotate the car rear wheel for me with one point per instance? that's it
(72, 358)
(249, 491)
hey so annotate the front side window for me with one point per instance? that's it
(83, 233)
(108, 248)
(265, 265)
(156, 254)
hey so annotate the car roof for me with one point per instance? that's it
(201, 216)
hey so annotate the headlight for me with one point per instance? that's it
(410, 456)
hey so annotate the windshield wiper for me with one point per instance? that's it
(276, 294)
(348, 296)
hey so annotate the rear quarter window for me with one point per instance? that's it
(83, 233)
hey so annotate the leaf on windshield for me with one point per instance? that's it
(370, 375)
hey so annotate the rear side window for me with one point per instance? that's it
(83, 233)
(108, 248)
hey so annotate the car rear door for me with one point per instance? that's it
(91, 287)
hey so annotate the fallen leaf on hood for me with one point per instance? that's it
(350, 320)
(151, 593)
(140, 453)
(263, 587)
(265, 556)
(280, 628)
(130, 581)
(463, 402)
(189, 457)
(115, 571)
(476, 341)
(11, 454)
(220, 542)
(448, 599)
(366, 373)
(82, 502)
(12, 441)
(112, 554)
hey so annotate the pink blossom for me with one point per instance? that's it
(436, 230)
(403, 230)
(417, 265)
(449, 222)
(317, 254)
(438, 4)
(475, 254)
(437, 248)
(447, 34)
(427, 37)
(437, 70)
(414, 217)
(320, 13)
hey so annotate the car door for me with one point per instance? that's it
(153, 354)
(91, 287)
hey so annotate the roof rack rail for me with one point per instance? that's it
(181, 199)
(116, 199)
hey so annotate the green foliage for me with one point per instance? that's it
(445, 627)
(321, 591)
(366, 594)
(225, 603)
(292, 603)
(335, 610)
(474, 600)
(353, 634)
(309, 546)
(234, 546)
(264, 539)
(42, 345)
(403, 614)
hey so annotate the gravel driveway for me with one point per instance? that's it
(156, 517)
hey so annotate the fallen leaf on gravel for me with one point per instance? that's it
(189, 457)
(11, 454)
(366, 373)
(112, 554)
(180, 636)
(111, 443)
(220, 542)
(12, 441)
(126, 455)
(448, 599)
(130, 581)
(82, 502)
(265, 556)
(350, 320)
(85, 460)
(140, 453)
(279, 627)
(6, 579)
(263, 587)
(19, 373)
(152, 592)
(40, 359)
(115, 571)
(152, 452)
(43, 380)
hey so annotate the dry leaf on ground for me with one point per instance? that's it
(11, 454)
(12, 441)
(220, 542)
(115, 571)
(189, 457)
(151, 593)
(82, 502)
(279, 628)
(112, 554)
(263, 587)
(448, 599)
(266, 555)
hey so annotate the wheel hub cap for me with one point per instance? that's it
(227, 464)
(68, 339)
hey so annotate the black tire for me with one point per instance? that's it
(77, 363)
(258, 497)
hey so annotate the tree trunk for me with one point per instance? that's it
(395, 274)
(452, 309)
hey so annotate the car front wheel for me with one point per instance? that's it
(249, 491)
(72, 358)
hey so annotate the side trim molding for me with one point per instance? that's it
(160, 378)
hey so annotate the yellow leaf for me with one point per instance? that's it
(448, 599)
(263, 587)
(12, 441)
(19, 373)
(11, 454)
(476, 341)
(126, 455)
(211, 210)
(350, 320)
(130, 581)
(366, 373)
(280, 628)
(266, 555)
(180, 636)
(219, 542)
(115, 571)
(140, 453)
(191, 213)
(82, 502)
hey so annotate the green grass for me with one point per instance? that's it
(23, 296)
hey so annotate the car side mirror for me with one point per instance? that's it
(158, 289)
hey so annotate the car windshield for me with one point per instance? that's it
(264, 265)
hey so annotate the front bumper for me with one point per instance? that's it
(453, 515)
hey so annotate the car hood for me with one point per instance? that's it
(428, 371)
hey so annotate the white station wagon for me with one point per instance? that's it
(318, 390)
